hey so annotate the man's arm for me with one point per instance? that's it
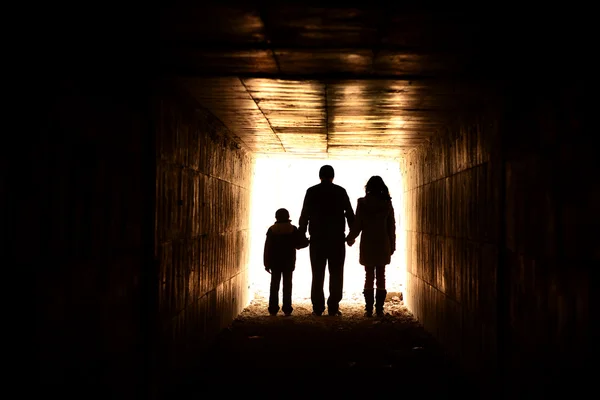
(304, 214)
(356, 226)
(300, 239)
(348, 210)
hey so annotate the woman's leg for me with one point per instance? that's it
(368, 290)
(380, 276)
(369, 277)
(381, 292)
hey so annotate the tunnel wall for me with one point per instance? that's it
(499, 253)
(452, 221)
(202, 227)
(551, 210)
(83, 210)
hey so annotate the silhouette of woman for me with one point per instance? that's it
(375, 219)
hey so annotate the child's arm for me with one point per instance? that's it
(391, 226)
(300, 239)
(267, 252)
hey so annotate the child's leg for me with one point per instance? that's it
(287, 292)
(274, 291)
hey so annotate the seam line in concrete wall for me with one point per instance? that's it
(201, 236)
(174, 165)
(205, 294)
(263, 114)
(446, 177)
(452, 237)
(435, 288)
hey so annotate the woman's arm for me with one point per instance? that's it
(357, 225)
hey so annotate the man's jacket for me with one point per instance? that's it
(325, 211)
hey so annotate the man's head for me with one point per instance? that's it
(282, 215)
(326, 173)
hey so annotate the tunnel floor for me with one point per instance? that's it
(393, 352)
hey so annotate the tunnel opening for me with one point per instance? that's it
(280, 182)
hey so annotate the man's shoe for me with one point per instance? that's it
(317, 314)
(337, 313)
(287, 314)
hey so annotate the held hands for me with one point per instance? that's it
(350, 242)
(268, 269)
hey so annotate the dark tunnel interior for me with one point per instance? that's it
(144, 122)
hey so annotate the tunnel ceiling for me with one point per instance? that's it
(298, 80)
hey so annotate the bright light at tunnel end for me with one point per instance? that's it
(282, 183)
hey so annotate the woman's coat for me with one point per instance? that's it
(375, 220)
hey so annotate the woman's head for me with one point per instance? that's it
(375, 186)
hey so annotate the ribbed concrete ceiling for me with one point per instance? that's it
(298, 80)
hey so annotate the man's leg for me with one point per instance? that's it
(318, 261)
(274, 292)
(337, 256)
(287, 292)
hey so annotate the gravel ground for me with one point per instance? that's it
(390, 354)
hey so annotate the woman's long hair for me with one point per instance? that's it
(376, 187)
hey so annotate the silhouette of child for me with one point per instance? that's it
(283, 239)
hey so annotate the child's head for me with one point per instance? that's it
(282, 215)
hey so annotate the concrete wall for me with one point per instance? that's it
(133, 211)
(452, 223)
(83, 206)
(500, 213)
(202, 228)
(551, 218)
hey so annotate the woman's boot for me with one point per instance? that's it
(369, 302)
(379, 301)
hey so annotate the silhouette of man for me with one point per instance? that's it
(325, 211)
